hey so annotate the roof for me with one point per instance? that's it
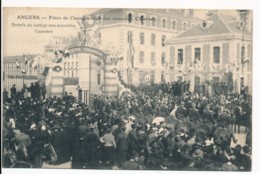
(217, 24)
(20, 58)
(172, 13)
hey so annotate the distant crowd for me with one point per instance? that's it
(158, 127)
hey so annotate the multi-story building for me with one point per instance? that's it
(218, 49)
(22, 70)
(138, 36)
(126, 46)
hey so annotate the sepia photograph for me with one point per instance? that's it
(127, 89)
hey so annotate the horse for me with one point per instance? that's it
(222, 137)
(204, 131)
(39, 152)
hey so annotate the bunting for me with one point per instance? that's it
(131, 50)
(17, 64)
(25, 60)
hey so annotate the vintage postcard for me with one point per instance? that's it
(127, 89)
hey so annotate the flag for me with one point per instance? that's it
(67, 53)
(227, 68)
(198, 65)
(189, 67)
(230, 81)
(31, 63)
(25, 60)
(58, 56)
(131, 50)
(23, 71)
(246, 61)
(237, 66)
(210, 76)
(17, 64)
(34, 63)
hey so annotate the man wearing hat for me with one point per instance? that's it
(109, 145)
(132, 164)
(122, 147)
(13, 91)
(181, 111)
(194, 113)
(93, 147)
(133, 139)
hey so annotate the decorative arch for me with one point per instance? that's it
(90, 50)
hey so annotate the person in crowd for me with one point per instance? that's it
(132, 163)
(32, 91)
(5, 95)
(74, 128)
(13, 91)
(109, 146)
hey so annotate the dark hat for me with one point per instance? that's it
(247, 149)
(109, 129)
(198, 153)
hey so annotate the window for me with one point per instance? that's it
(72, 65)
(68, 65)
(242, 82)
(163, 40)
(180, 56)
(153, 38)
(163, 58)
(153, 61)
(141, 57)
(129, 36)
(242, 54)
(164, 23)
(162, 76)
(153, 21)
(72, 73)
(141, 38)
(98, 79)
(197, 54)
(142, 19)
(216, 55)
(65, 65)
(174, 25)
(130, 18)
(77, 64)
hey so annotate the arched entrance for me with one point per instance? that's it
(91, 72)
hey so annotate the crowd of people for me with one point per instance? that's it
(149, 129)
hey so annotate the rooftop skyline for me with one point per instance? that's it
(19, 40)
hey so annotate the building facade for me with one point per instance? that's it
(216, 50)
(131, 42)
(138, 36)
